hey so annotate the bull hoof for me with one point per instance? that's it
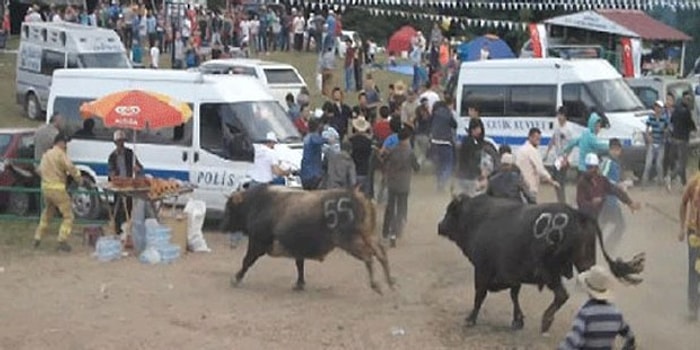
(392, 283)
(470, 322)
(375, 287)
(299, 287)
(517, 324)
(235, 281)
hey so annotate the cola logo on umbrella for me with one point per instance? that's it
(127, 111)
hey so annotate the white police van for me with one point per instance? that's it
(47, 46)
(515, 95)
(213, 150)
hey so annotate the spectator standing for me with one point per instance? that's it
(326, 68)
(408, 109)
(341, 113)
(611, 213)
(293, 109)
(179, 53)
(362, 109)
(361, 151)
(529, 161)
(421, 124)
(669, 158)
(155, 56)
(382, 129)
(471, 174)
(657, 126)
(45, 135)
(357, 64)
(431, 96)
(311, 172)
(598, 322)
(442, 130)
(349, 65)
(400, 164)
(302, 122)
(682, 125)
(151, 29)
(340, 171)
(303, 98)
(298, 25)
(561, 135)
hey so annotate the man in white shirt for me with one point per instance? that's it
(429, 95)
(560, 138)
(33, 15)
(266, 164)
(298, 26)
(529, 161)
(186, 30)
(155, 56)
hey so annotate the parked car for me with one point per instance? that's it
(16, 144)
(279, 78)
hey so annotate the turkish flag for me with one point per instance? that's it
(627, 58)
(538, 40)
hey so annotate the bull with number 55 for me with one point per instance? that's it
(285, 222)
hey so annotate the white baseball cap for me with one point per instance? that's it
(271, 137)
(592, 159)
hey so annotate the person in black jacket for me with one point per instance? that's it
(508, 182)
(122, 163)
(341, 113)
(473, 157)
(682, 125)
(442, 130)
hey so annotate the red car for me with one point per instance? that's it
(16, 149)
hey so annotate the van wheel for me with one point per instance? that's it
(86, 206)
(32, 107)
(18, 203)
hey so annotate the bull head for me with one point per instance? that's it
(451, 223)
(232, 219)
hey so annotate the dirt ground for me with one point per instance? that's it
(50, 301)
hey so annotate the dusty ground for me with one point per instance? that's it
(49, 301)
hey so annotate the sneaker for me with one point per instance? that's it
(64, 247)
(37, 243)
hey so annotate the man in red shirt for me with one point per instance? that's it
(382, 130)
(592, 188)
(302, 122)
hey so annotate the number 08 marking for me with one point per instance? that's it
(336, 210)
(550, 226)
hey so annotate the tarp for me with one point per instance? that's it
(401, 40)
(627, 23)
(471, 51)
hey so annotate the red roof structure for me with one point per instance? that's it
(645, 26)
(629, 23)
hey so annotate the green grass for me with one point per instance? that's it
(16, 235)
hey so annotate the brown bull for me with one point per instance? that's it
(283, 222)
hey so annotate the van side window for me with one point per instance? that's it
(281, 76)
(50, 61)
(490, 99)
(532, 101)
(223, 134)
(577, 101)
(647, 95)
(78, 128)
(72, 61)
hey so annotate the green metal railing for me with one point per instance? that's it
(34, 215)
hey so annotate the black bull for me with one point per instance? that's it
(283, 222)
(511, 244)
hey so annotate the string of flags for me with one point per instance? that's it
(469, 22)
(504, 5)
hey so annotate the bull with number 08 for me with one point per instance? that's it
(286, 222)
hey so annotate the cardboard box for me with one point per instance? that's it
(176, 220)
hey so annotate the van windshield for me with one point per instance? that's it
(229, 129)
(614, 95)
(104, 60)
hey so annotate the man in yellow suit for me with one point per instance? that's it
(690, 231)
(55, 167)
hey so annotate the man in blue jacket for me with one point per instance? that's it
(588, 142)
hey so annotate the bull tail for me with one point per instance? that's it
(622, 270)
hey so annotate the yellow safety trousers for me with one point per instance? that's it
(55, 197)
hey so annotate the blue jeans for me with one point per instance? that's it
(349, 76)
(655, 157)
(444, 164)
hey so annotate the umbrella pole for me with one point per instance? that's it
(133, 158)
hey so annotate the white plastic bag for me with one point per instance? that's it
(150, 256)
(196, 211)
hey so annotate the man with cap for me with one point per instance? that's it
(266, 163)
(54, 169)
(361, 152)
(508, 182)
(592, 188)
(657, 125)
(598, 322)
(122, 163)
(46, 134)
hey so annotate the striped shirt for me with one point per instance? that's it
(595, 327)
(658, 128)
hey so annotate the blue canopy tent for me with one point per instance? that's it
(471, 51)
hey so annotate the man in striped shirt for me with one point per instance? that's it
(598, 321)
(657, 125)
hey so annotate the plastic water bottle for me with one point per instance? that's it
(150, 256)
(157, 236)
(108, 248)
(169, 253)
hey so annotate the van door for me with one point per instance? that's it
(282, 81)
(224, 153)
(50, 61)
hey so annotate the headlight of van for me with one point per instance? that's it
(638, 138)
